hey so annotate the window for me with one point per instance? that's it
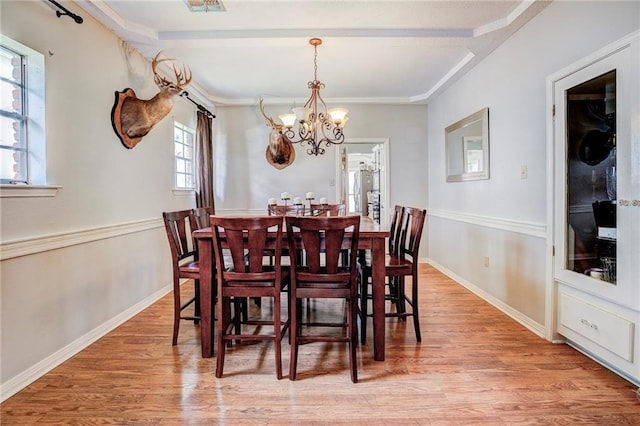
(22, 135)
(183, 145)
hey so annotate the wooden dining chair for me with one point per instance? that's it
(401, 262)
(328, 209)
(283, 210)
(201, 215)
(365, 270)
(184, 260)
(286, 210)
(323, 276)
(241, 274)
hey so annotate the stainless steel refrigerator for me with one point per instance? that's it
(362, 185)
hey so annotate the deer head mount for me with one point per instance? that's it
(280, 152)
(133, 118)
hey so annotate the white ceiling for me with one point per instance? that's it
(373, 51)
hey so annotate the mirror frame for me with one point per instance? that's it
(483, 117)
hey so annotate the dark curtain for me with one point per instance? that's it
(204, 162)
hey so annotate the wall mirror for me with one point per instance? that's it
(467, 148)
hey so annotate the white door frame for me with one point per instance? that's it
(385, 173)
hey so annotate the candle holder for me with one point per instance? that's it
(310, 196)
(285, 196)
(324, 204)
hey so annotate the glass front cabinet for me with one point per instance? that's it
(596, 226)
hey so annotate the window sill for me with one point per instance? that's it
(24, 191)
(183, 191)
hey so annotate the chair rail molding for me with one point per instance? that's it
(533, 229)
(39, 244)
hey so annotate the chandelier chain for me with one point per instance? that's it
(315, 63)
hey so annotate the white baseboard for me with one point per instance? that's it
(24, 379)
(527, 322)
(604, 363)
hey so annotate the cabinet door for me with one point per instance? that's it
(597, 211)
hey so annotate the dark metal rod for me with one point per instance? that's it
(185, 94)
(66, 12)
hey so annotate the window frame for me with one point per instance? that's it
(32, 98)
(15, 115)
(184, 130)
(35, 182)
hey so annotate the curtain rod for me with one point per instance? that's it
(66, 12)
(201, 108)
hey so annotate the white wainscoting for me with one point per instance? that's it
(103, 300)
(495, 284)
(24, 379)
(533, 326)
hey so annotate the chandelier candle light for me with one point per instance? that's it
(285, 196)
(310, 196)
(315, 124)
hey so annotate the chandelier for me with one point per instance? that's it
(313, 125)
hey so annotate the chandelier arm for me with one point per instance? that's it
(304, 136)
(290, 134)
(307, 141)
(337, 139)
(320, 115)
(338, 136)
(306, 131)
(315, 149)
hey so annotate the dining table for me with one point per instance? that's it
(372, 237)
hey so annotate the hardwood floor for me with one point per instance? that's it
(475, 366)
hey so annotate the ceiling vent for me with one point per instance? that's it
(205, 5)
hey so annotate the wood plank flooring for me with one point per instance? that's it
(475, 366)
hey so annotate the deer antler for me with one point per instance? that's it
(269, 120)
(183, 78)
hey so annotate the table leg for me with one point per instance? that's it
(378, 289)
(206, 296)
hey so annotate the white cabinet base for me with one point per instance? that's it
(606, 332)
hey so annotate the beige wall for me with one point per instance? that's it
(245, 181)
(505, 218)
(77, 264)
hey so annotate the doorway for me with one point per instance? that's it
(362, 179)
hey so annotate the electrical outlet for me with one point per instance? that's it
(523, 171)
(486, 261)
